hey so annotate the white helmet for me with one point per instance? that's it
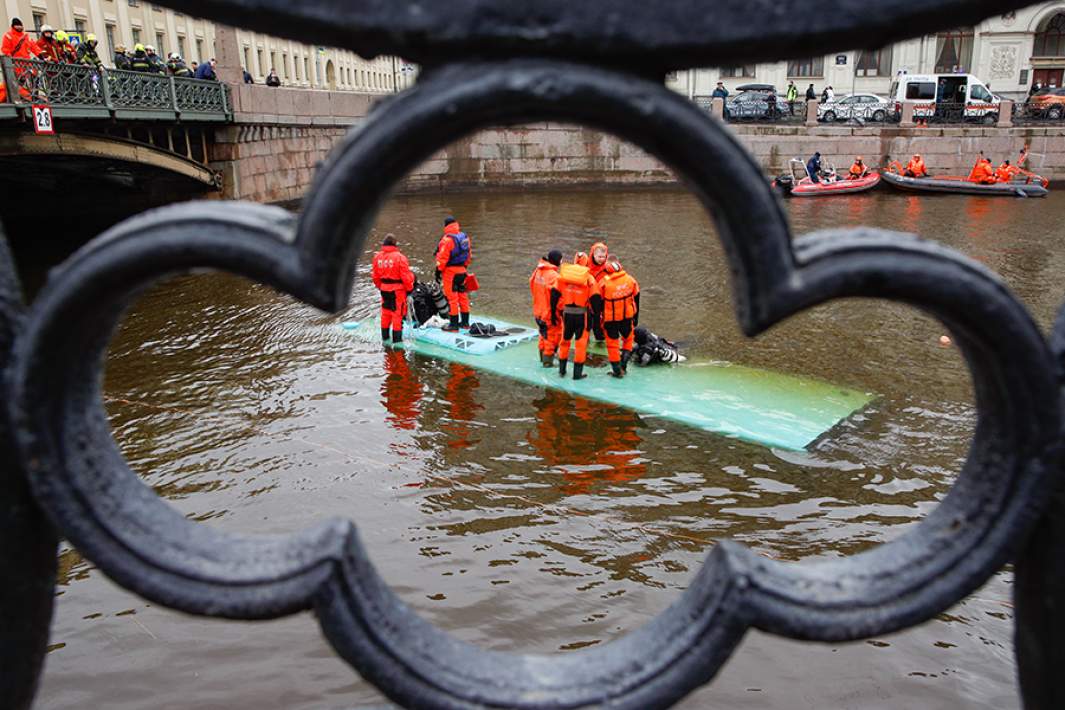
(47, 28)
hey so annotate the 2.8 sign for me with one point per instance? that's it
(42, 121)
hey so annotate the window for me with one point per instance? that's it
(954, 51)
(247, 59)
(273, 61)
(136, 36)
(133, 3)
(160, 45)
(259, 67)
(181, 47)
(875, 63)
(979, 93)
(306, 70)
(921, 91)
(79, 26)
(1050, 41)
(109, 30)
(746, 70)
(199, 50)
(806, 68)
(38, 21)
(284, 65)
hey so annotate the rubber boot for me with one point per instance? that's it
(397, 337)
(547, 360)
(452, 326)
(465, 322)
(386, 335)
(616, 371)
(578, 371)
(562, 367)
(626, 355)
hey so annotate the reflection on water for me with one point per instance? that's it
(525, 519)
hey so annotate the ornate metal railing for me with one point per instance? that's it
(544, 60)
(83, 92)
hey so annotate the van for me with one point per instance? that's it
(957, 97)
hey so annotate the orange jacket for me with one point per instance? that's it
(621, 297)
(391, 271)
(917, 167)
(598, 269)
(18, 45)
(447, 245)
(858, 169)
(576, 288)
(1005, 173)
(982, 172)
(543, 279)
(51, 51)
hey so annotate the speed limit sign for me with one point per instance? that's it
(42, 121)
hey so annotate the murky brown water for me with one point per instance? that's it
(524, 520)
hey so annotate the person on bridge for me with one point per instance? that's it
(1006, 172)
(453, 257)
(272, 79)
(983, 172)
(597, 266)
(176, 66)
(206, 71)
(158, 66)
(543, 280)
(574, 294)
(394, 279)
(122, 60)
(69, 51)
(16, 43)
(48, 47)
(811, 95)
(621, 314)
(139, 61)
(858, 170)
(792, 96)
(916, 168)
(87, 55)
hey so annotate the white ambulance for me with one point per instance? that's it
(945, 98)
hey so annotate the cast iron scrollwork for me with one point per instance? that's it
(81, 479)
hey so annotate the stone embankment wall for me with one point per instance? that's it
(280, 136)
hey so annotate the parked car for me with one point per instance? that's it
(961, 97)
(868, 107)
(751, 104)
(1049, 104)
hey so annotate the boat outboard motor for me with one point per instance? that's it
(784, 183)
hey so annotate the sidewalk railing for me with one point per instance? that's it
(77, 91)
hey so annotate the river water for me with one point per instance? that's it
(526, 520)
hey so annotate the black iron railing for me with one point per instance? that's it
(84, 92)
(536, 61)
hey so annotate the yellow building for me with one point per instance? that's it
(129, 22)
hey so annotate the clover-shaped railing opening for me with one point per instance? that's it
(81, 479)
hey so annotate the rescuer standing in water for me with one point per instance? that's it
(394, 279)
(453, 257)
(574, 296)
(542, 281)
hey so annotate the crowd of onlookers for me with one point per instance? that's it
(56, 46)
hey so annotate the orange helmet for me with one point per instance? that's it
(613, 266)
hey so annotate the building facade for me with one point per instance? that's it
(1009, 52)
(131, 22)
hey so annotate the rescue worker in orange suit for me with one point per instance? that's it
(621, 315)
(16, 43)
(1005, 172)
(541, 282)
(394, 279)
(453, 257)
(49, 49)
(916, 168)
(573, 298)
(983, 173)
(597, 265)
(858, 170)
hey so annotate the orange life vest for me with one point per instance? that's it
(391, 270)
(619, 297)
(917, 167)
(541, 282)
(982, 172)
(577, 286)
(1005, 173)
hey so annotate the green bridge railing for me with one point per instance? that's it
(75, 91)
